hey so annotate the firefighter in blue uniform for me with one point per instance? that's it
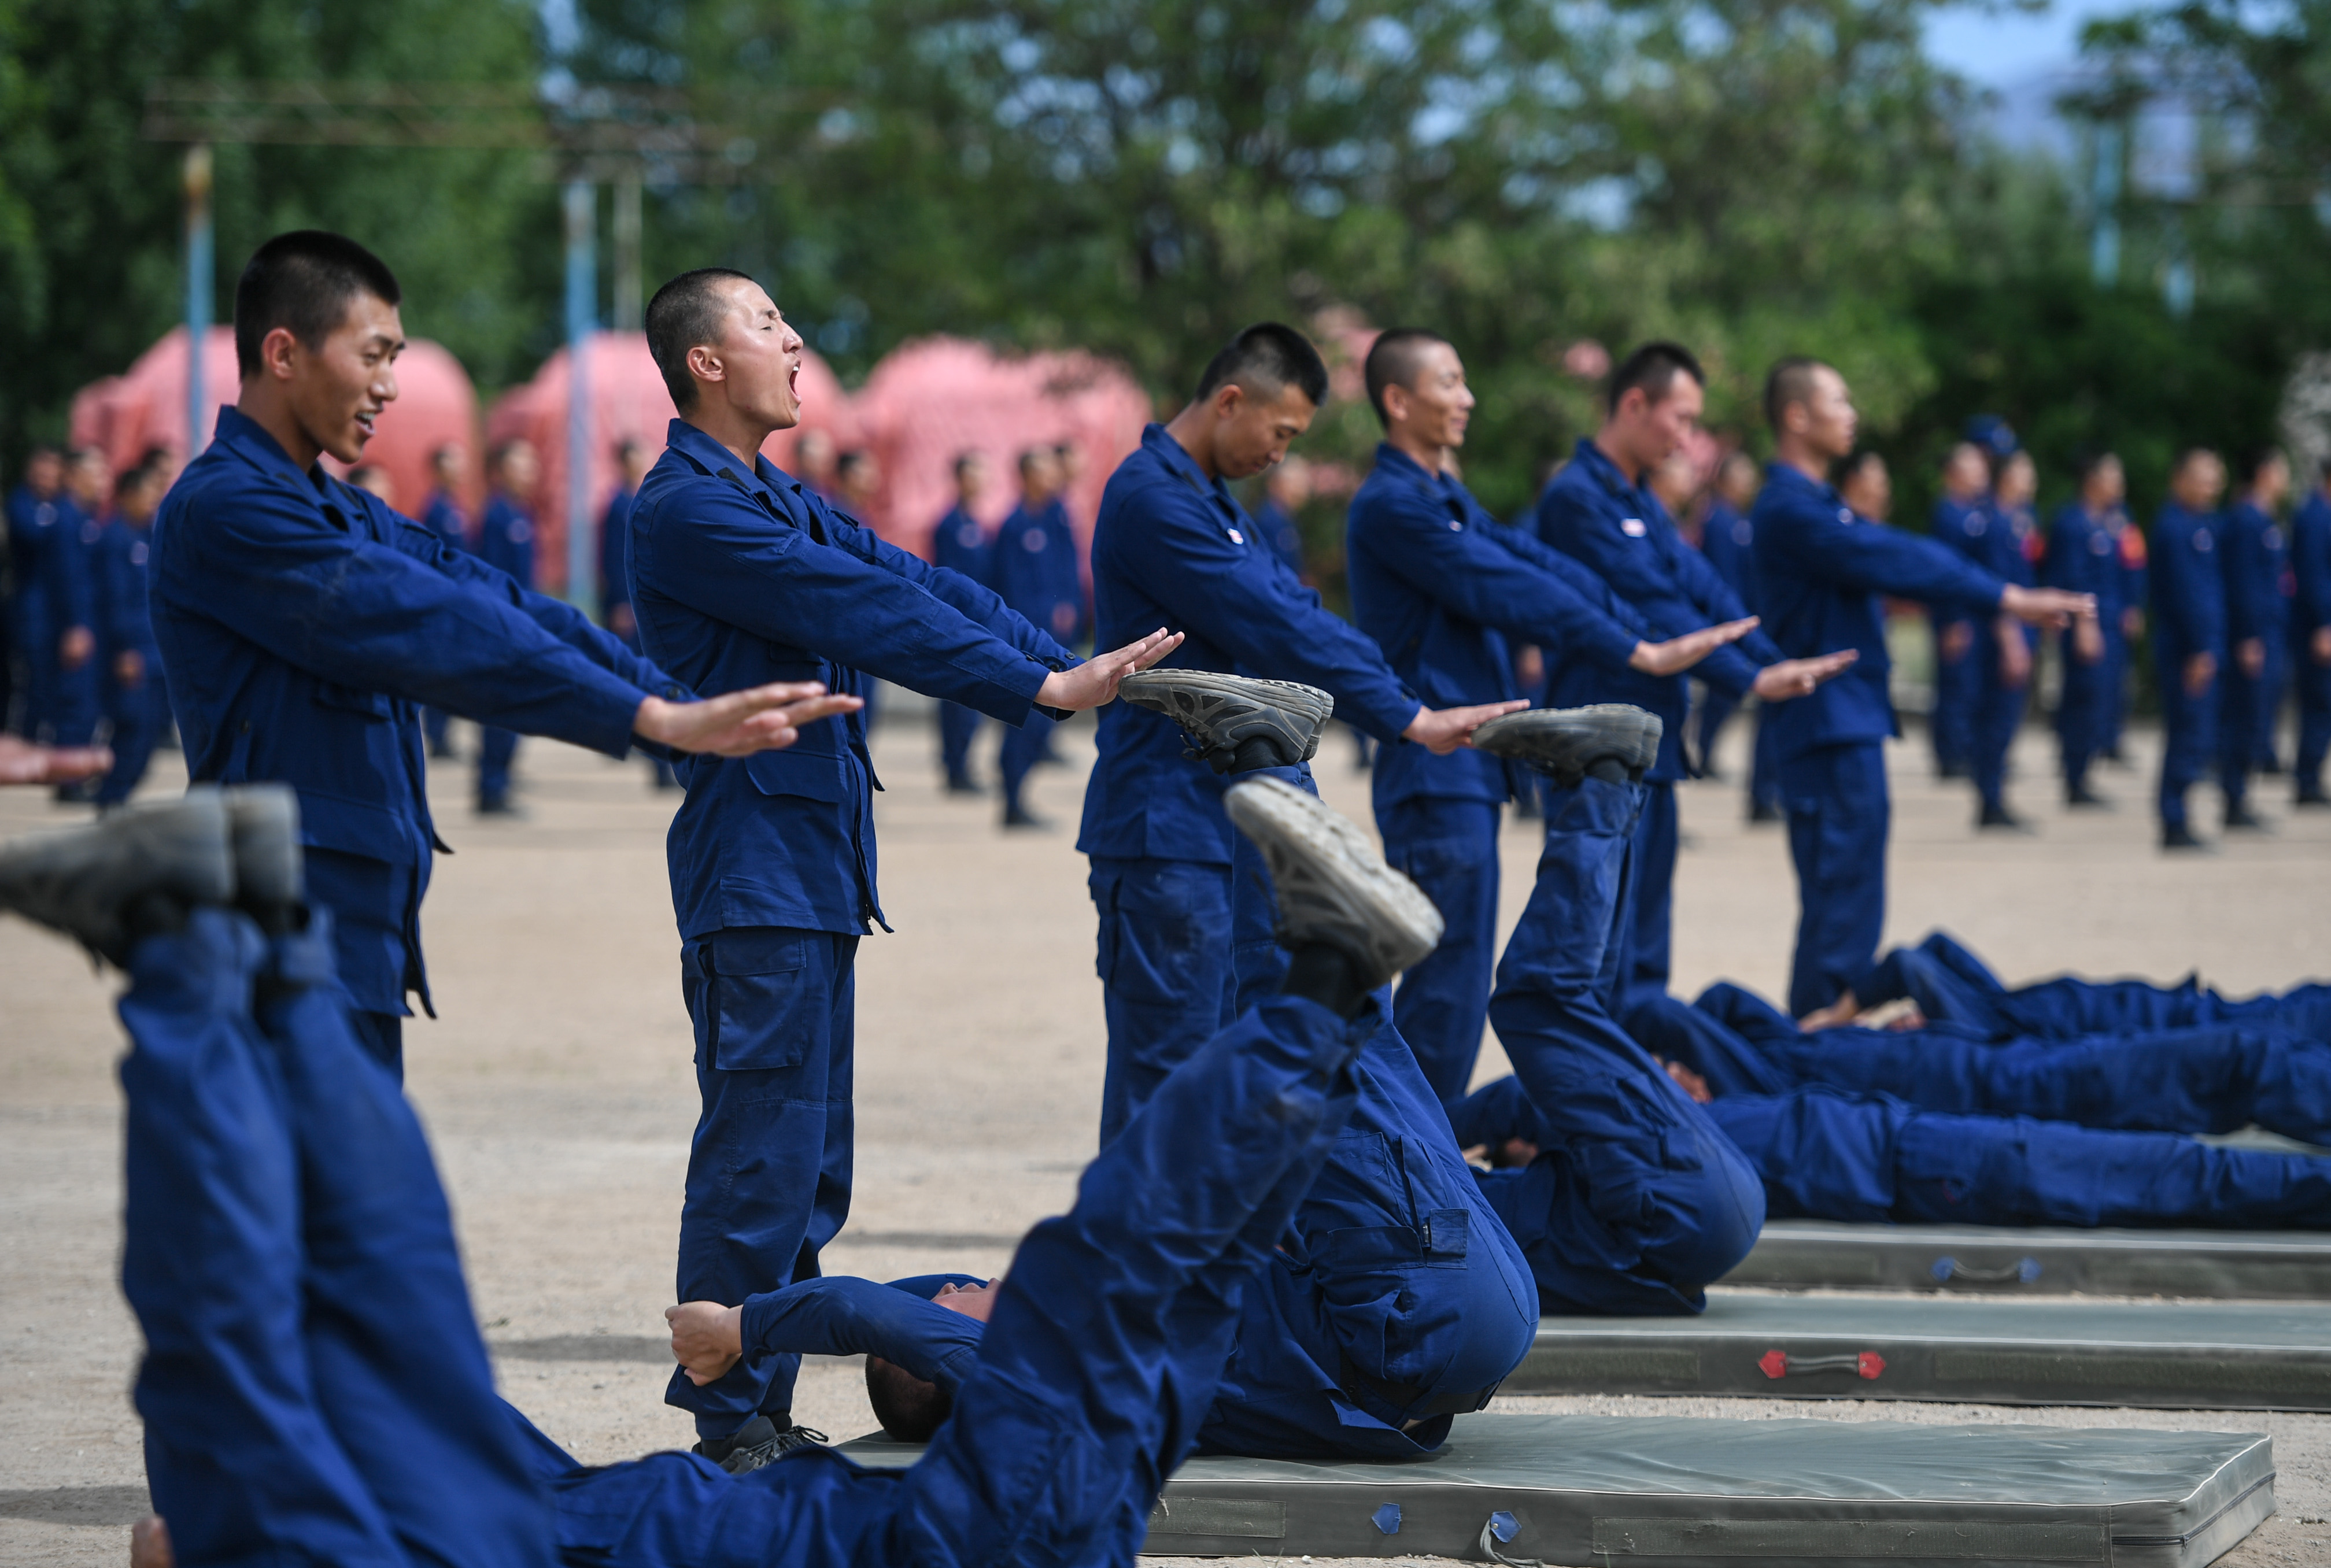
(506, 542)
(1034, 569)
(1601, 511)
(960, 544)
(2256, 563)
(137, 700)
(1821, 570)
(40, 513)
(2310, 639)
(2083, 556)
(303, 621)
(1441, 585)
(615, 571)
(1728, 540)
(443, 516)
(2005, 645)
(1962, 520)
(1173, 547)
(2189, 632)
(741, 573)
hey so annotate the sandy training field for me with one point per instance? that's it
(557, 1083)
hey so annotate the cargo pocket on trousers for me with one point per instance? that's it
(768, 1009)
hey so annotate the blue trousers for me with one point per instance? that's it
(958, 727)
(1024, 748)
(1764, 765)
(2082, 711)
(140, 715)
(2189, 738)
(1958, 689)
(1105, 1351)
(1830, 1154)
(1998, 715)
(496, 748)
(1634, 1203)
(1951, 984)
(1707, 725)
(1164, 969)
(314, 1388)
(1449, 849)
(2313, 681)
(434, 724)
(1649, 933)
(2246, 720)
(1839, 811)
(769, 1168)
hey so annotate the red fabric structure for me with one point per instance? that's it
(932, 399)
(628, 402)
(145, 406)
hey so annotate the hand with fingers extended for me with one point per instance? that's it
(1680, 654)
(1094, 682)
(2046, 606)
(707, 1339)
(740, 723)
(1798, 677)
(23, 763)
(1441, 730)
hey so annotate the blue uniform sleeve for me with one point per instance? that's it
(857, 602)
(1498, 577)
(2249, 577)
(120, 617)
(2187, 596)
(417, 621)
(1257, 612)
(614, 581)
(2311, 560)
(67, 568)
(840, 1315)
(1868, 558)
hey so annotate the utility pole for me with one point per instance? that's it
(200, 285)
(631, 298)
(582, 204)
(2103, 197)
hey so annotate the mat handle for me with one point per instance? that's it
(1502, 1525)
(1868, 1365)
(2022, 1271)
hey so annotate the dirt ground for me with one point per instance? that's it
(557, 1083)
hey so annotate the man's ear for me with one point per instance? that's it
(704, 364)
(1396, 402)
(275, 352)
(1227, 399)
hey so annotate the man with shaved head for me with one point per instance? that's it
(740, 573)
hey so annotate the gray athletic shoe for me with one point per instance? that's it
(263, 822)
(1220, 713)
(1333, 885)
(1565, 742)
(85, 881)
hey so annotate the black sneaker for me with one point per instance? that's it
(2000, 818)
(1019, 817)
(1333, 887)
(1235, 722)
(1763, 812)
(2079, 796)
(759, 1441)
(1565, 742)
(2178, 836)
(87, 881)
(2311, 800)
(963, 786)
(2241, 819)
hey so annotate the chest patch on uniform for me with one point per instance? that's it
(1032, 541)
(1845, 514)
(2203, 542)
(1236, 538)
(2273, 538)
(1631, 527)
(2099, 545)
(520, 531)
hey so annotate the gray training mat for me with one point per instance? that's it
(2156, 1354)
(2261, 1265)
(1672, 1492)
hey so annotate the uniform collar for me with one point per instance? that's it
(1177, 459)
(1606, 473)
(249, 439)
(1404, 467)
(1789, 477)
(708, 456)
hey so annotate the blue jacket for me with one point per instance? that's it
(2310, 562)
(302, 621)
(444, 518)
(1729, 542)
(615, 552)
(1622, 532)
(1821, 569)
(1966, 528)
(1172, 549)
(1034, 569)
(1280, 532)
(959, 545)
(742, 579)
(1439, 585)
(37, 529)
(123, 619)
(2010, 555)
(2084, 557)
(2189, 585)
(2257, 561)
(506, 538)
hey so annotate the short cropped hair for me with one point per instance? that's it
(685, 313)
(1653, 367)
(2186, 454)
(1393, 361)
(304, 282)
(1791, 380)
(1034, 455)
(2088, 459)
(2255, 460)
(964, 460)
(1853, 465)
(1267, 358)
(910, 1410)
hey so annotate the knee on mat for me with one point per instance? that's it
(1712, 1213)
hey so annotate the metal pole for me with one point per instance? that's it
(581, 290)
(630, 301)
(2104, 195)
(199, 288)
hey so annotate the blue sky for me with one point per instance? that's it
(2003, 49)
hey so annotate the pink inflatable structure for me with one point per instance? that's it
(930, 399)
(627, 403)
(145, 406)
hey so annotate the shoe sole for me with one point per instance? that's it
(1566, 741)
(1218, 711)
(83, 880)
(263, 823)
(1333, 885)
